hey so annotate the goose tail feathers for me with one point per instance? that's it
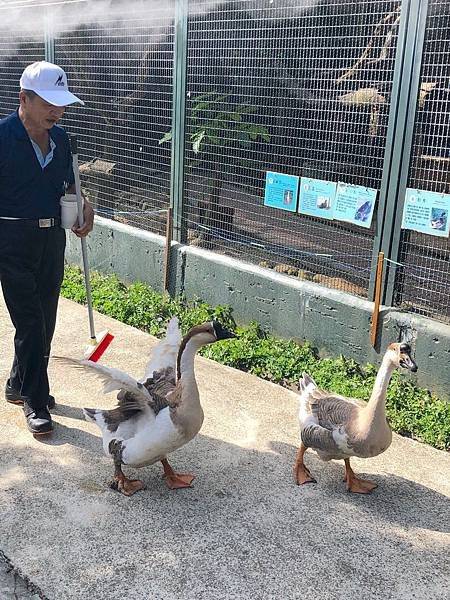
(307, 383)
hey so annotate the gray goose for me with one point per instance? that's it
(160, 413)
(338, 428)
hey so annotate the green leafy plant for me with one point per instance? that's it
(412, 411)
(215, 121)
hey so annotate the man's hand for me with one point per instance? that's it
(88, 214)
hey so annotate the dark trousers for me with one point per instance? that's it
(31, 273)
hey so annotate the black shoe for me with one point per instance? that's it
(39, 422)
(13, 397)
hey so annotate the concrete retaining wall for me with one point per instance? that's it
(335, 322)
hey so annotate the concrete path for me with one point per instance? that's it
(12, 586)
(244, 531)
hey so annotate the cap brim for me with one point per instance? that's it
(59, 98)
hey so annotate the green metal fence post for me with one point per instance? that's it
(49, 38)
(392, 242)
(399, 139)
(178, 117)
(382, 212)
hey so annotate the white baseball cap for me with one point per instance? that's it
(49, 82)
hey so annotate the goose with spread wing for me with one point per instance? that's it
(339, 428)
(160, 413)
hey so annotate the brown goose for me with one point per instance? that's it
(338, 428)
(158, 415)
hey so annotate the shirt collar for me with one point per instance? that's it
(19, 129)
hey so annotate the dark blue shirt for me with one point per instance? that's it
(28, 191)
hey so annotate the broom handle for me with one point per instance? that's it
(87, 281)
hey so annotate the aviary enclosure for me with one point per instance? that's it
(344, 92)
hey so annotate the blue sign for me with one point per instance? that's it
(355, 204)
(427, 212)
(317, 197)
(281, 191)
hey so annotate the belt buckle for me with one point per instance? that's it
(46, 222)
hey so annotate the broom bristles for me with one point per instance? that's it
(94, 353)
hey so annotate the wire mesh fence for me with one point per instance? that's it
(423, 282)
(18, 48)
(121, 66)
(295, 88)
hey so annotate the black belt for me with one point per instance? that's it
(41, 223)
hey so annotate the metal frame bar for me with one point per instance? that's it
(179, 117)
(49, 39)
(400, 137)
(417, 45)
(392, 131)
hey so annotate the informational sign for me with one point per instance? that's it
(320, 198)
(281, 191)
(355, 204)
(317, 197)
(427, 212)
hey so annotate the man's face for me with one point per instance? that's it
(41, 113)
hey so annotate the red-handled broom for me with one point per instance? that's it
(97, 343)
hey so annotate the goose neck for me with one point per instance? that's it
(377, 402)
(186, 356)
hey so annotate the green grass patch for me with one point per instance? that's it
(412, 411)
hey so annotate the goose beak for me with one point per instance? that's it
(408, 363)
(221, 332)
(405, 361)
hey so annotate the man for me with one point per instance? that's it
(35, 171)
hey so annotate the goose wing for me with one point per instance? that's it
(133, 397)
(328, 409)
(137, 395)
(329, 418)
(161, 387)
(320, 438)
(164, 354)
(326, 435)
(332, 410)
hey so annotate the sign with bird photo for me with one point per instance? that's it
(355, 204)
(317, 197)
(427, 212)
(281, 191)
